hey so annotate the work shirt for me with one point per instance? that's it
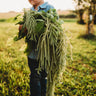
(44, 7)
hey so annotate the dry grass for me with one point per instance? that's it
(13, 14)
(9, 14)
(63, 12)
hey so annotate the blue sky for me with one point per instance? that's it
(18, 5)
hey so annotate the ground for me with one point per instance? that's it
(79, 78)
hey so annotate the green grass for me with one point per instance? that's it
(70, 20)
(14, 72)
(80, 75)
(79, 78)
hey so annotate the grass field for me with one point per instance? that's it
(79, 78)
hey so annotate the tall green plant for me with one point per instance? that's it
(45, 29)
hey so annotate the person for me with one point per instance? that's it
(38, 82)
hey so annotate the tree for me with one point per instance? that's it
(94, 8)
(95, 18)
(90, 7)
(91, 16)
(80, 11)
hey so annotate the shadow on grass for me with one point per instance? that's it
(91, 37)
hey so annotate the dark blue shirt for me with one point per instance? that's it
(44, 7)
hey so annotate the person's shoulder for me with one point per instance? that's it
(49, 6)
(32, 8)
(46, 7)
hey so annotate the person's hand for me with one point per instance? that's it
(20, 28)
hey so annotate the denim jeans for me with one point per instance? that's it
(38, 82)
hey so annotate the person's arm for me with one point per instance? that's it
(20, 28)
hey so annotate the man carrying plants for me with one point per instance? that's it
(46, 46)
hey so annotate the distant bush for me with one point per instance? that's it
(2, 20)
(12, 19)
(69, 20)
(68, 16)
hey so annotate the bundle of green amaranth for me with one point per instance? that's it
(45, 29)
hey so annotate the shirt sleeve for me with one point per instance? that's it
(48, 7)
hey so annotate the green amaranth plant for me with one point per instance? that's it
(45, 29)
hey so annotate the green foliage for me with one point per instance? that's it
(68, 16)
(45, 29)
(70, 20)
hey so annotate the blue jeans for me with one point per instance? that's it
(38, 82)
